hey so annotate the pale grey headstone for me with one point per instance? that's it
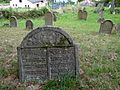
(106, 27)
(101, 18)
(47, 53)
(29, 24)
(13, 21)
(1, 14)
(49, 18)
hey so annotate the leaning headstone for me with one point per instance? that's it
(29, 24)
(47, 53)
(13, 21)
(84, 15)
(55, 17)
(106, 27)
(49, 18)
(80, 13)
(101, 19)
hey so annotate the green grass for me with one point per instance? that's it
(99, 54)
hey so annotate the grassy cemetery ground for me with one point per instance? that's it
(99, 54)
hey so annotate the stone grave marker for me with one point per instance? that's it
(84, 15)
(13, 21)
(80, 12)
(47, 53)
(29, 24)
(117, 27)
(84, 9)
(49, 18)
(1, 14)
(55, 17)
(106, 27)
(101, 18)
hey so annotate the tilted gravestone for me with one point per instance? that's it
(82, 15)
(106, 27)
(47, 53)
(29, 24)
(13, 21)
(49, 18)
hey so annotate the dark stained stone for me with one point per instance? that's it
(49, 18)
(80, 12)
(47, 53)
(29, 24)
(84, 15)
(106, 27)
(13, 21)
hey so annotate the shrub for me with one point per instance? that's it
(7, 13)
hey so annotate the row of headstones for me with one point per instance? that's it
(49, 19)
(105, 27)
(14, 23)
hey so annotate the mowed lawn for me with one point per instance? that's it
(99, 53)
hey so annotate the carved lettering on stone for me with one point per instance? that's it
(47, 53)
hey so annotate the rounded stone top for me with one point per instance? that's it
(47, 36)
(108, 20)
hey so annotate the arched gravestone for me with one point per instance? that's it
(29, 24)
(84, 15)
(106, 27)
(80, 14)
(49, 18)
(47, 53)
(13, 21)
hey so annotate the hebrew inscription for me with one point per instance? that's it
(47, 53)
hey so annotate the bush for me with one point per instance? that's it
(7, 13)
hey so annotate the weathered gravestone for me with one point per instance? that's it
(101, 18)
(49, 18)
(1, 14)
(82, 15)
(106, 27)
(117, 27)
(55, 17)
(13, 21)
(47, 53)
(29, 24)
(80, 12)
